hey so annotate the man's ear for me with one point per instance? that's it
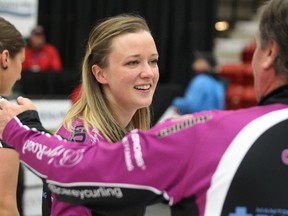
(4, 59)
(99, 74)
(271, 52)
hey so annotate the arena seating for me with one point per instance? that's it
(240, 91)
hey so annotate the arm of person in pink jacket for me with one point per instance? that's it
(128, 174)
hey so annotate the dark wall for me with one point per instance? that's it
(179, 28)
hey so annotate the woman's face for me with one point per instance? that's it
(9, 76)
(132, 72)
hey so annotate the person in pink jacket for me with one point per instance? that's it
(119, 78)
(229, 162)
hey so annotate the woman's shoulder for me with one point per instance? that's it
(78, 133)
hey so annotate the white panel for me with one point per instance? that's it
(22, 13)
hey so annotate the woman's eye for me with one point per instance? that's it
(154, 61)
(132, 62)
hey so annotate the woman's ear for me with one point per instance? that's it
(99, 74)
(4, 59)
(271, 54)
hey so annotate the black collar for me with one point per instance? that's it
(279, 95)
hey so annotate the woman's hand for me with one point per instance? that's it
(8, 110)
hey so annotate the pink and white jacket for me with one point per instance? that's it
(209, 163)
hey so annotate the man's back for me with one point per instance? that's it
(213, 150)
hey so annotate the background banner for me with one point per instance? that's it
(22, 13)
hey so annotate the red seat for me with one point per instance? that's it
(247, 74)
(232, 72)
(248, 96)
(233, 96)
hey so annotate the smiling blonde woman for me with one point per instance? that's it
(119, 77)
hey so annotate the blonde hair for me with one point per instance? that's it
(92, 106)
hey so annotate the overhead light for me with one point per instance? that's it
(222, 26)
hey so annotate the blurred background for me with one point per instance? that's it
(224, 27)
(179, 27)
